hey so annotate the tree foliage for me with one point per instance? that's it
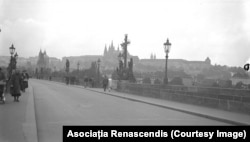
(241, 75)
(239, 85)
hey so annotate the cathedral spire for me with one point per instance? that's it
(40, 52)
(208, 61)
(112, 46)
(105, 50)
(109, 48)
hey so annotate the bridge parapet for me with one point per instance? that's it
(226, 99)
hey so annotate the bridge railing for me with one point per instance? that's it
(236, 100)
(74, 82)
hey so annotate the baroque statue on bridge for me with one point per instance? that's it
(125, 72)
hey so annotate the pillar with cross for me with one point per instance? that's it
(125, 51)
(125, 70)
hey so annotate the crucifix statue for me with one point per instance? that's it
(125, 51)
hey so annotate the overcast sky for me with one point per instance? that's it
(219, 29)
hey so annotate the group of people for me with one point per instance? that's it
(18, 82)
(89, 82)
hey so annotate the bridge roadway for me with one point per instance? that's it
(46, 106)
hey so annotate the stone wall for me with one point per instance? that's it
(226, 99)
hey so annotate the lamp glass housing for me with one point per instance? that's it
(12, 49)
(167, 46)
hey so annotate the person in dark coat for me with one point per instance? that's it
(27, 78)
(15, 86)
(105, 83)
(24, 77)
(2, 83)
(22, 87)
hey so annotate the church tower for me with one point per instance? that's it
(43, 61)
(112, 49)
(151, 56)
(105, 51)
(208, 61)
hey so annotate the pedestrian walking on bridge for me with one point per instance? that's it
(110, 84)
(2, 84)
(15, 87)
(105, 82)
(25, 78)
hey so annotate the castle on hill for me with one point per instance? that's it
(190, 67)
(109, 61)
(110, 56)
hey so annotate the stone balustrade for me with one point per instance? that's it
(227, 99)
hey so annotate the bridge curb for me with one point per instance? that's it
(30, 125)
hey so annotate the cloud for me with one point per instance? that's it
(27, 36)
(21, 9)
(218, 32)
(197, 28)
(228, 19)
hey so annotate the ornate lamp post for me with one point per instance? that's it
(167, 46)
(15, 60)
(98, 71)
(12, 51)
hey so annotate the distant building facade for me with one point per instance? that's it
(43, 61)
(42, 65)
(109, 61)
(190, 67)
